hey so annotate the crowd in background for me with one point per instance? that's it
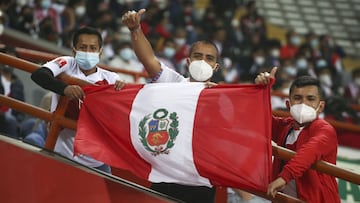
(236, 27)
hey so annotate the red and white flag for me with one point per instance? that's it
(181, 132)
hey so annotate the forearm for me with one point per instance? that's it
(45, 79)
(144, 52)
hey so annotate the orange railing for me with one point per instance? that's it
(58, 120)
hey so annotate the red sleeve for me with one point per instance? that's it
(318, 142)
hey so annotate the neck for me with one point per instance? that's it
(88, 72)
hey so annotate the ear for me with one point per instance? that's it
(216, 67)
(100, 52)
(73, 52)
(187, 63)
(287, 103)
(321, 106)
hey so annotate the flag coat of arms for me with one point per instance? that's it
(181, 132)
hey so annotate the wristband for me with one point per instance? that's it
(157, 76)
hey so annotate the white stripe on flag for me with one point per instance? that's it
(178, 165)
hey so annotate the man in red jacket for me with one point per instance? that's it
(312, 139)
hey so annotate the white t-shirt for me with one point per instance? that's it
(169, 75)
(66, 64)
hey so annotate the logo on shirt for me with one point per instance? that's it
(158, 132)
(61, 62)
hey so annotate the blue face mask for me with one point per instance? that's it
(87, 60)
(45, 4)
(126, 54)
(169, 52)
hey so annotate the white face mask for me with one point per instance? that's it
(325, 79)
(80, 11)
(275, 53)
(169, 52)
(357, 81)
(126, 54)
(259, 60)
(200, 70)
(303, 113)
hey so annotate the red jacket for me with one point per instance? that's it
(317, 141)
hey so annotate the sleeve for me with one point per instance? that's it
(321, 145)
(44, 77)
(168, 75)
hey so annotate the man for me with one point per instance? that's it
(87, 49)
(312, 139)
(201, 64)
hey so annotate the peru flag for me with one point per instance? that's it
(181, 132)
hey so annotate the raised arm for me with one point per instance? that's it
(141, 45)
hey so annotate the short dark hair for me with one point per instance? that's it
(89, 31)
(204, 42)
(307, 80)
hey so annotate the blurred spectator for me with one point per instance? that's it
(291, 46)
(25, 21)
(4, 6)
(352, 89)
(73, 16)
(331, 52)
(34, 130)
(11, 86)
(125, 59)
(273, 53)
(182, 49)
(259, 56)
(47, 31)
(324, 75)
(167, 53)
(47, 19)
(252, 22)
(339, 109)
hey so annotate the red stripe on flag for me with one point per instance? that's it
(109, 142)
(239, 143)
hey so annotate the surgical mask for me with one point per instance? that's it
(325, 79)
(200, 70)
(1, 29)
(321, 63)
(180, 41)
(259, 60)
(80, 11)
(45, 4)
(169, 52)
(295, 40)
(314, 43)
(275, 53)
(301, 64)
(21, 2)
(87, 60)
(126, 54)
(357, 81)
(303, 113)
(285, 90)
(291, 71)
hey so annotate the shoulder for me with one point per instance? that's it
(321, 123)
(108, 75)
(61, 61)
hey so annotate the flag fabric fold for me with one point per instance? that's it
(181, 132)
